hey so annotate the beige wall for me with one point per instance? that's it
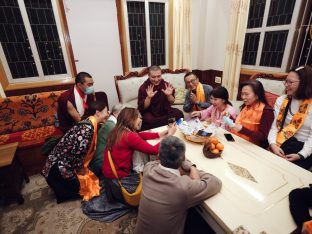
(95, 38)
(93, 29)
(210, 22)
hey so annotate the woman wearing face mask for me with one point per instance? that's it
(291, 133)
(66, 169)
(219, 98)
(254, 121)
(121, 144)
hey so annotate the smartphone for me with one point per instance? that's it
(203, 133)
(229, 137)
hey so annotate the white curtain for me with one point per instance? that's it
(235, 46)
(181, 25)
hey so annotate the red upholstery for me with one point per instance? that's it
(271, 98)
(31, 137)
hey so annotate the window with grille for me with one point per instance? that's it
(32, 46)
(269, 36)
(146, 33)
(304, 52)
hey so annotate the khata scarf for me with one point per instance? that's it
(200, 95)
(295, 123)
(89, 183)
(249, 118)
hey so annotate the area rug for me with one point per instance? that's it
(41, 214)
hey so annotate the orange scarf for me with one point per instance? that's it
(295, 123)
(249, 118)
(89, 183)
(200, 95)
(307, 227)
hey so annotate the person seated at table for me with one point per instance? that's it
(103, 133)
(290, 136)
(121, 143)
(73, 103)
(170, 187)
(219, 98)
(155, 98)
(198, 95)
(300, 202)
(66, 168)
(254, 121)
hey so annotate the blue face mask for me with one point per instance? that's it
(89, 90)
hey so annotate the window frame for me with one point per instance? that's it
(290, 38)
(147, 30)
(50, 82)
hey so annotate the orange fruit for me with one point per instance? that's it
(212, 146)
(215, 151)
(220, 146)
(214, 140)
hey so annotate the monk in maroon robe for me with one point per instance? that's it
(73, 103)
(155, 99)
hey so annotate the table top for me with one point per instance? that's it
(255, 185)
(7, 153)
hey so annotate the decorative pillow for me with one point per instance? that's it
(179, 96)
(273, 86)
(129, 88)
(271, 98)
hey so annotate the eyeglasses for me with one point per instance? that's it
(191, 81)
(289, 82)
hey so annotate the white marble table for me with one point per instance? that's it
(255, 189)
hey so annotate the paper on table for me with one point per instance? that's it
(191, 126)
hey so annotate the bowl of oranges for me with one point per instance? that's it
(213, 148)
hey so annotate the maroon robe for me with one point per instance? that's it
(160, 110)
(65, 119)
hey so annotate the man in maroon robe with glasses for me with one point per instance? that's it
(155, 99)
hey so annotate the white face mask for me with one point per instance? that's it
(89, 90)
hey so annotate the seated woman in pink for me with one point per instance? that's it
(219, 98)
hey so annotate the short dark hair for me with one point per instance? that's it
(190, 73)
(172, 152)
(222, 93)
(95, 106)
(80, 78)
(257, 88)
(153, 68)
(304, 90)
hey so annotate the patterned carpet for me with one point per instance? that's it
(41, 214)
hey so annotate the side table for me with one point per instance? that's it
(12, 174)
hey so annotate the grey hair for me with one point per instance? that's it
(172, 152)
(117, 108)
(153, 68)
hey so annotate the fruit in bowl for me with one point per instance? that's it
(213, 148)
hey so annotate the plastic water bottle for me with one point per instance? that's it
(228, 121)
(179, 121)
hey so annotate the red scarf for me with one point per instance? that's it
(83, 97)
